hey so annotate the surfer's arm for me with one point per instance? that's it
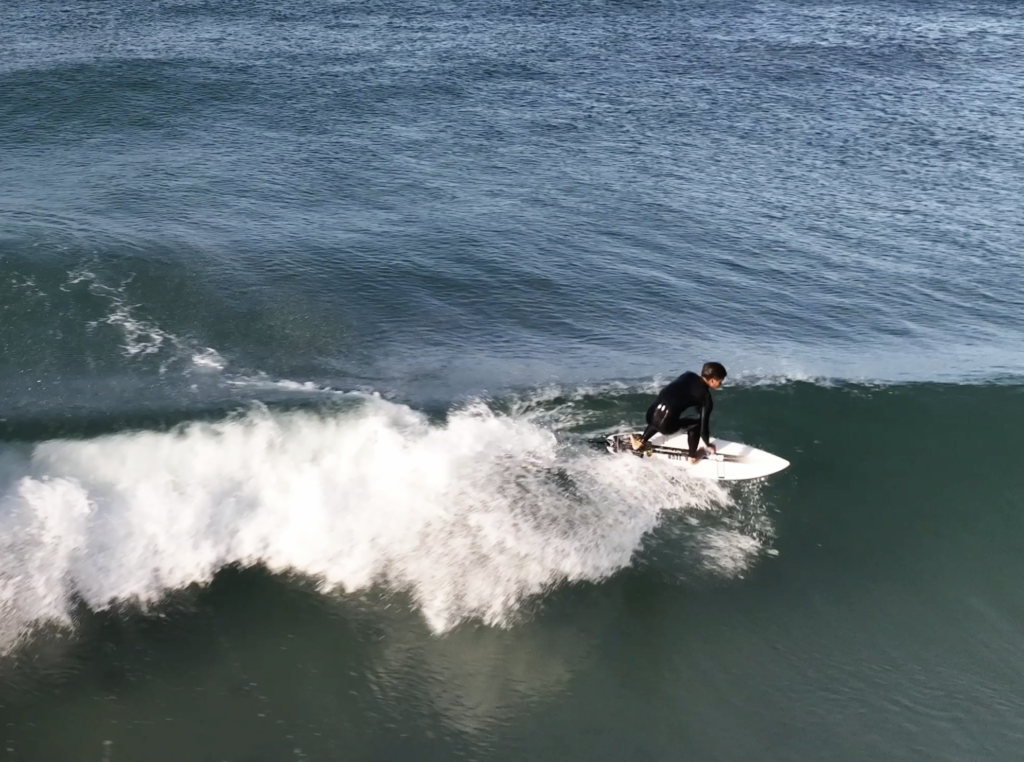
(705, 422)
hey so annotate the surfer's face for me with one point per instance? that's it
(715, 383)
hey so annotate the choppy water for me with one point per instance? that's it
(308, 309)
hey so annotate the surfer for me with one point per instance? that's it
(665, 416)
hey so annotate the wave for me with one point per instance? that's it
(101, 328)
(469, 517)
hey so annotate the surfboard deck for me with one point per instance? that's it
(732, 461)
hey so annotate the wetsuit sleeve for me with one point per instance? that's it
(705, 418)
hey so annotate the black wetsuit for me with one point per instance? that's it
(665, 416)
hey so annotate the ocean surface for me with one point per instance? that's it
(308, 310)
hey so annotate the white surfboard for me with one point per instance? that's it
(731, 461)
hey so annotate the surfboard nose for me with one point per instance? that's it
(773, 463)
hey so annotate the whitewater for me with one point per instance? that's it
(470, 516)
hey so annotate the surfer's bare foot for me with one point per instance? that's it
(635, 441)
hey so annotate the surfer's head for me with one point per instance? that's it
(713, 373)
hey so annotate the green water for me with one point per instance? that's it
(880, 619)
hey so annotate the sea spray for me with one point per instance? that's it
(470, 517)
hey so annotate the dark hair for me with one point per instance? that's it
(713, 371)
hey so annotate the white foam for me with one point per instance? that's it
(728, 551)
(470, 518)
(141, 337)
(764, 377)
(265, 382)
(209, 358)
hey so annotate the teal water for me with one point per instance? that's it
(307, 312)
(862, 604)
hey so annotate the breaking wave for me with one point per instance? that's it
(470, 517)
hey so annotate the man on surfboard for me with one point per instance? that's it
(665, 416)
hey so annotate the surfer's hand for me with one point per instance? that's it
(711, 450)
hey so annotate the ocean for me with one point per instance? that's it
(310, 310)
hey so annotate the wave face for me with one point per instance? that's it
(472, 513)
(883, 560)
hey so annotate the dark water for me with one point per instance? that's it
(308, 309)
